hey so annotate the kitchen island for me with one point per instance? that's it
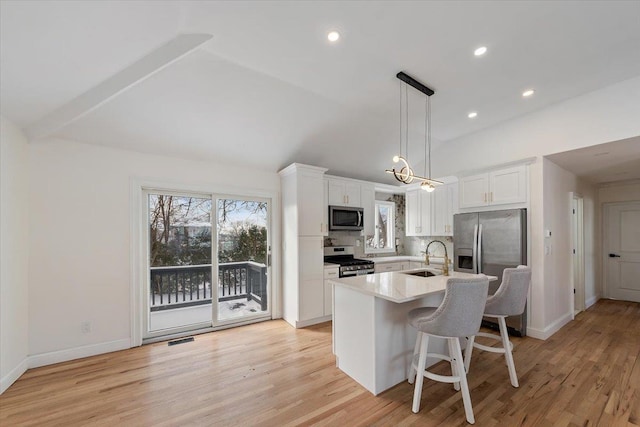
(372, 340)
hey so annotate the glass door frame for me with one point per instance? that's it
(141, 275)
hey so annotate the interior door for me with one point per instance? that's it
(622, 255)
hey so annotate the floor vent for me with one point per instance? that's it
(180, 341)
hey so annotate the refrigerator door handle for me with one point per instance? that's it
(480, 249)
(474, 253)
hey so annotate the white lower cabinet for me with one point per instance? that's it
(390, 266)
(416, 264)
(329, 273)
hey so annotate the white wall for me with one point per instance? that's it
(14, 253)
(627, 191)
(558, 185)
(605, 115)
(80, 261)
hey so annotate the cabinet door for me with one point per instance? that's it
(508, 186)
(352, 194)
(310, 205)
(452, 194)
(325, 208)
(311, 272)
(440, 210)
(387, 266)
(412, 213)
(368, 195)
(336, 193)
(474, 191)
(425, 213)
(329, 273)
(328, 298)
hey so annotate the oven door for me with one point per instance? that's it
(344, 218)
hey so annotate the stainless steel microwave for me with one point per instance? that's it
(345, 218)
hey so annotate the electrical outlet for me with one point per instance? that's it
(85, 327)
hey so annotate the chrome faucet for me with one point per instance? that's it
(445, 268)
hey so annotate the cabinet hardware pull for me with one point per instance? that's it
(484, 197)
(491, 196)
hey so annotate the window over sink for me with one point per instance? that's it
(383, 239)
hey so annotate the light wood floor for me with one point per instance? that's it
(270, 374)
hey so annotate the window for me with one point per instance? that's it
(383, 239)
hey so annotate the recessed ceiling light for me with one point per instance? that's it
(472, 115)
(480, 51)
(528, 93)
(333, 36)
(604, 153)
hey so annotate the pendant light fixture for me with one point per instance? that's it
(405, 174)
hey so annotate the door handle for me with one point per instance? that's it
(614, 256)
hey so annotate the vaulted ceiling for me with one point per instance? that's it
(269, 88)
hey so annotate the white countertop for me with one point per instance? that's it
(398, 286)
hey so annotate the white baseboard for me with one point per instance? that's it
(588, 303)
(14, 374)
(543, 334)
(52, 357)
(305, 323)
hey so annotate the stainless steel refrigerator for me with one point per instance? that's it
(489, 242)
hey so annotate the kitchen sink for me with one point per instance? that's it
(423, 273)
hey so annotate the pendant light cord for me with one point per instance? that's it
(400, 121)
(426, 118)
(429, 134)
(406, 127)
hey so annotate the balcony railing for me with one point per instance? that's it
(190, 285)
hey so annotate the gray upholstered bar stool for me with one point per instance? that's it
(509, 300)
(459, 315)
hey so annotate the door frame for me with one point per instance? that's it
(137, 254)
(577, 289)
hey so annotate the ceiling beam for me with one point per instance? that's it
(140, 70)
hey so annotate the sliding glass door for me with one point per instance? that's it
(204, 273)
(243, 258)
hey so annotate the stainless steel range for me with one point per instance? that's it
(349, 266)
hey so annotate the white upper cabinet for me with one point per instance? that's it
(498, 187)
(325, 208)
(418, 213)
(311, 217)
(303, 189)
(508, 186)
(474, 190)
(344, 193)
(445, 205)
